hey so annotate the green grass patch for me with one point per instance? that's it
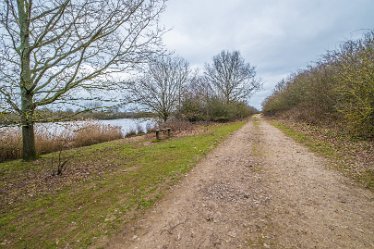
(78, 214)
(326, 149)
(319, 147)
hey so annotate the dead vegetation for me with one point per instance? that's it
(90, 133)
(95, 133)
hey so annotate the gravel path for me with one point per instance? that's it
(258, 189)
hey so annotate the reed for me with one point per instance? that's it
(90, 133)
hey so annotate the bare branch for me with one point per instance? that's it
(231, 77)
(160, 89)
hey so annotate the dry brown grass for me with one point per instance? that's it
(95, 133)
(90, 133)
(10, 145)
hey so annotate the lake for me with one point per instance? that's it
(67, 128)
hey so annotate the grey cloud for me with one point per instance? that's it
(277, 36)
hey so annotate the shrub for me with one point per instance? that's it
(356, 89)
(215, 109)
(337, 90)
(193, 110)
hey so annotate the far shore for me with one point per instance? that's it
(51, 117)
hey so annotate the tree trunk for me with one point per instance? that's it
(165, 117)
(27, 104)
(28, 135)
(28, 141)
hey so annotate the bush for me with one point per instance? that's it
(338, 90)
(193, 110)
(356, 89)
(215, 109)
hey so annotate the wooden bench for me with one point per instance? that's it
(168, 130)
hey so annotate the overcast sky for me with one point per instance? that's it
(276, 36)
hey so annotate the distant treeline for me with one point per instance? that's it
(69, 115)
(114, 115)
(337, 90)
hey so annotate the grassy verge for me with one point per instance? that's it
(320, 147)
(340, 160)
(77, 214)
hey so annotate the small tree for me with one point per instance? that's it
(161, 87)
(231, 77)
(53, 49)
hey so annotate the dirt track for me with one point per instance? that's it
(258, 189)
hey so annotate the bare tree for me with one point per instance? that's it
(54, 50)
(161, 87)
(231, 77)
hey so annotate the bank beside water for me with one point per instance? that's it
(104, 186)
(64, 135)
(66, 127)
